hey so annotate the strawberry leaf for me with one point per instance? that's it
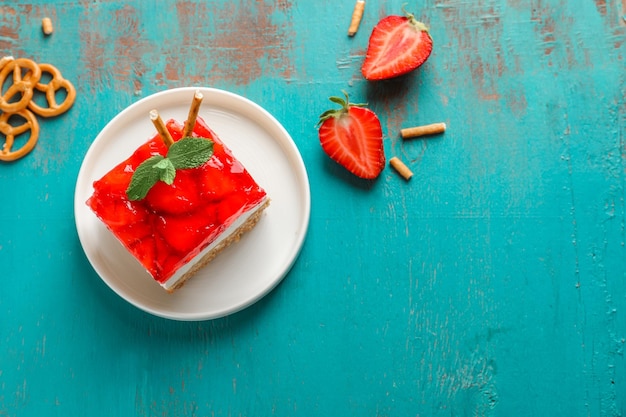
(345, 105)
(338, 100)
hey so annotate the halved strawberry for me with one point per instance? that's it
(397, 45)
(352, 136)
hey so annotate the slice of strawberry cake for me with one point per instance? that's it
(174, 208)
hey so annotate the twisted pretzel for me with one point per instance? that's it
(11, 132)
(23, 84)
(50, 89)
(26, 79)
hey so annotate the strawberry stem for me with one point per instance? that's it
(413, 21)
(345, 105)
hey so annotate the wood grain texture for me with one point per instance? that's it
(491, 284)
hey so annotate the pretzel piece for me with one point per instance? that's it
(46, 26)
(11, 132)
(23, 84)
(5, 60)
(50, 89)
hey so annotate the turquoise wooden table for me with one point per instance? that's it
(493, 283)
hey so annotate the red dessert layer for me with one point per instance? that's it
(173, 223)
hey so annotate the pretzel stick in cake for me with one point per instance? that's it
(193, 113)
(161, 129)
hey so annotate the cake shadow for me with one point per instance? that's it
(210, 331)
(120, 320)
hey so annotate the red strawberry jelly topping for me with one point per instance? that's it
(175, 222)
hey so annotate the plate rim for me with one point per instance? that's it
(302, 179)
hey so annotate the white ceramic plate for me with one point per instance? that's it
(247, 270)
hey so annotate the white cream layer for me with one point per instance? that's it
(173, 280)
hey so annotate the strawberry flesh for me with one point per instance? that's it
(397, 46)
(354, 139)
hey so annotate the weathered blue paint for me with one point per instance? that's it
(491, 284)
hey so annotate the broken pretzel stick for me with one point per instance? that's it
(357, 15)
(161, 129)
(193, 114)
(46, 26)
(426, 130)
(402, 169)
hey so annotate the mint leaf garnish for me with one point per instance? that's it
(186, 153)
(167, 171)
(190, 152)
(144, 177)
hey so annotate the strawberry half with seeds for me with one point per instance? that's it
(352, 136)
(397, 46)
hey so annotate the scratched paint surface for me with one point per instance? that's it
(491, 284)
